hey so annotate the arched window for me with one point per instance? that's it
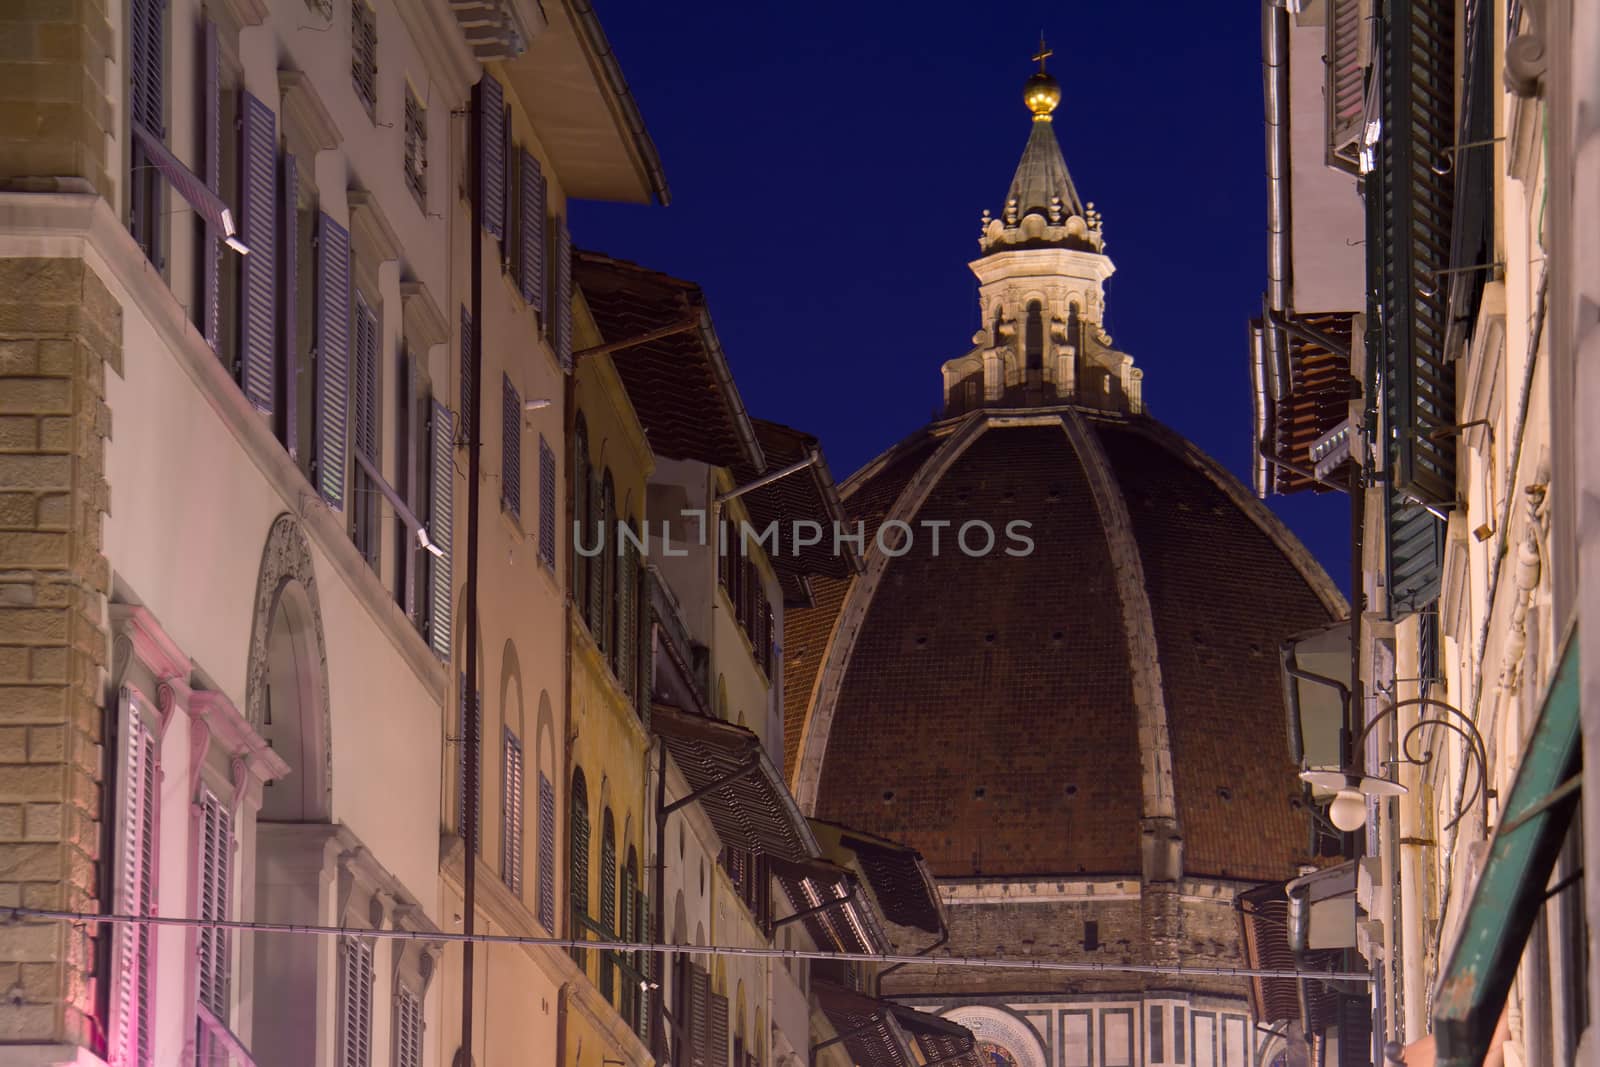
(608, 900)
(607, 635)
(1034, 337)
(578, 858)
(292, 720)
(583, 534)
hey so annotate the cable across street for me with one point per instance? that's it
(17, 914)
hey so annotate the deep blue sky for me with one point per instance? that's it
(829, 164)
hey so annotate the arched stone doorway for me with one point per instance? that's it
(286, 696)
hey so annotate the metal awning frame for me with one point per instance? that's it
(1506, 900)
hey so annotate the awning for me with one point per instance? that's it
(881, 1033)
(679, 384)
(207, 204)
(805, 496)
(897, 874)
(1264, 919)
(733, 779)
(836, 914)
(1522, 853)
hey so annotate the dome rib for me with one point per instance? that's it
(1155, 737)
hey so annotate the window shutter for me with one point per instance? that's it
(609, 561)
(717, 1033)
(1345, 93)
(215, 863)
(408, 1029)
(333, 359)
(700, 1014)
(625, 932)
(563, 295)
(530, 264)
(547, 853)
(547, 503)
(1416, 206)
(508, 183)
(645, 961)
(211, 247)
(258, 203)
(441, 491)
(131, 1014)
(511, 448)
(289, 300)
(491, 156)
(355, 1002)
(511, 815)
(608, 902)
(578, 860)
(364, 54)
(469, 380)
(364, 434)
(627, 606)
(471, 724)
(416, 157)
(147, 78)
(582, 528)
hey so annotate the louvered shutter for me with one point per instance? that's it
(136, 886)
(258, 284)
(364, 433)
(147, 74)
(769, 638)
(645, 961)
(408, 1029)
(547, 853)
(491, 155)
(289, 299)
(563, 295)
(1345, 95)
(511, 815)
(625, 932)
(547, 503)
(355, 1002)
(612, 562)
(441, 492)
(471, 725)
(469, 378)
(333, 359)
(1416, 206)
(582, 524)
(508, 164)
(530, 263)
(511, 448)
(608, 902)
(215, 863)
(700, 1014)
(627, 605)
(210, 120)
(594, 527)
(578, 861)
(717, 1031)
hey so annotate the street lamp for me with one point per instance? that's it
(1352, 788)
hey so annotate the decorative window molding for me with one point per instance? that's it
(423, 321)
(307, 126)
(374, 240)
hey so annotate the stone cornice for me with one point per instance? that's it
(83, 225)
(370, 232)
(307, 125)
(150, 642)
(1062, 263)
(444, 51)
(424, 322)
(230, 729)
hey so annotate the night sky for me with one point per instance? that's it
(829, 165)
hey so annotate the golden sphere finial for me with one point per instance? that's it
(1042, 94)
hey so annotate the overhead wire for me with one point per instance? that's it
(15, 914)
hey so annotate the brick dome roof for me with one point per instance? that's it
(1025, 715)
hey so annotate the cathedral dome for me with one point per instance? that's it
(1060, 711)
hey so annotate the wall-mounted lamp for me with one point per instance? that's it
(1352, 787)
(536, 405)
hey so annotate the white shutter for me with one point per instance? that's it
(407, 1029)
(215, 863)
(135, 891)
(511, 815)
(355, 1003)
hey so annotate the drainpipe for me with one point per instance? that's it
(469, 733)
(1268, 358)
